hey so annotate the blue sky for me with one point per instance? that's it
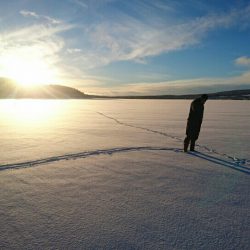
(119, 47)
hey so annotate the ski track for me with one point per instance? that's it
(236, 160)
(85, 154)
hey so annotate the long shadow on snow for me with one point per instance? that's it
(221, 162)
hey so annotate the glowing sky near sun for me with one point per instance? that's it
(127, 47)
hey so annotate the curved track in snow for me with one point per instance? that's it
(111, 151)
(84, 154)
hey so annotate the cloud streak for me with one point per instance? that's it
(183, 86)
(243, 61)
(80, 3)
(38, 44)
(27, 13)
(131, 39)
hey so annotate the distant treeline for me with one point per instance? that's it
(225, 95)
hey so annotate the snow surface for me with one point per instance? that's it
(111, 174)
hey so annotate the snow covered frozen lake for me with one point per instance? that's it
(111, 174)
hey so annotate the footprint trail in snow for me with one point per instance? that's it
(235, 160)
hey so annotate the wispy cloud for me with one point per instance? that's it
(27, 13)
(37, 44)
(32, 34)
(185, 86)
(243, 60)
(165, 6)
(175, 87)
(91, 4)
(74, 50)
(80, 3)
(130, 38)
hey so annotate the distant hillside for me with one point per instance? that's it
(9, 89)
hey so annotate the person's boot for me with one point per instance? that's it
(186, 142)
(192, 146)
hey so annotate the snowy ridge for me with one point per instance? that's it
(85, 154)
(236, 160)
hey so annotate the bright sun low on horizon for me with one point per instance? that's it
(28, 72)
(127, 48)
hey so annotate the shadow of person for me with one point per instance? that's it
(229, 164)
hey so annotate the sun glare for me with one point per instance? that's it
(30, 113)
(28, 71)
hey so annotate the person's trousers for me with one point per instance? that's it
(188, 140)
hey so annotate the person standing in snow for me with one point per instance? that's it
(194, 122)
